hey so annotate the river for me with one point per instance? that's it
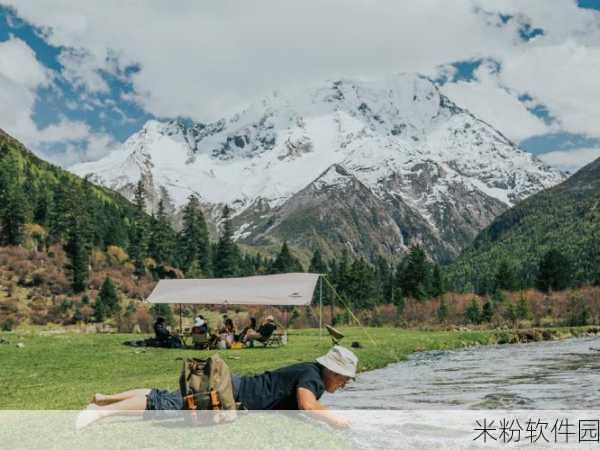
(551, 375)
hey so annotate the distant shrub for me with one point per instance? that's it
(116, 255)
(473, 312)
(143, 318)
(487, 312)
(578, 312)
(9, 314)
(34, 236)
(523, 312)
(442, 312)
(8, 324)
(98, 260)
(37, 278)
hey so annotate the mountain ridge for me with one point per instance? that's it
(399, 136)
(565, 218)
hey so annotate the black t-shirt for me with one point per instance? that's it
(277, 389)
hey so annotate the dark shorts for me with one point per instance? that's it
(162, 404)
(165, 404)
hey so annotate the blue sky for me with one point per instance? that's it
(108, 88)
(104, 112)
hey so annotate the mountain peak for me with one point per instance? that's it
(398, 138)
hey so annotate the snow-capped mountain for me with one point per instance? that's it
(372, 166)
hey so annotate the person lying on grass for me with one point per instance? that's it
(298, 386)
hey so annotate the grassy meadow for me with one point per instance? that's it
(62, 370)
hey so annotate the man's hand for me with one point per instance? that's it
(308, 402)
(339, 421)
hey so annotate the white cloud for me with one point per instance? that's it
(20, 77)
(564, 78)
(494, 104)
(63, 131)
(570, 160)
(80, 68)
(92, 148)
(202, 59)
(19, 65)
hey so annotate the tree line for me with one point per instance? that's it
(555, 271)
(82, 217)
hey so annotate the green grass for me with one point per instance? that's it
(63, 371)
(259, 430)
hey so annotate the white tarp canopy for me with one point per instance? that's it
(282, 289)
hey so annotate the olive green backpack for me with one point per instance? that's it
(206, 386)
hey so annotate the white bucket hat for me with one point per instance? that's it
(340, 360)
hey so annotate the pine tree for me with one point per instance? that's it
(42, 207)
(138, 243)
(437, 282)
(100, 312)
(162, 238)
(285, 262)
(510, 314)
(385, 280)
(522, 310)
(487, 312)
(225, 262)
(317, 265)
(164, 311)
(473, 312)
(78, 234)
(193, 240)
(78, 252)
(115, 230)
(14, 216)
(139, 196)
(442, 312)
(108, 298)
(413, 275)
(505, 277)
(361, 287)
(554, 272)
(498, 298)
(13, 202)
(63, 210)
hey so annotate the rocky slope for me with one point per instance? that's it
(371, 166)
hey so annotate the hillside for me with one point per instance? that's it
(60, 238)
(54, 198)
(416, 168)
(564, 218)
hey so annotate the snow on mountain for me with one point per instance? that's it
(399, 137)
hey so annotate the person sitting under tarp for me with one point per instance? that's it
(164, 338)
(199, 332)
(227, 335)
(244, 332)
(264, 332)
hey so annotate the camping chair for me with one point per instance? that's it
(265, 334)
(200, 339)
(268, 337)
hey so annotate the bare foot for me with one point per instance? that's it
(101, 399)
(88, 416)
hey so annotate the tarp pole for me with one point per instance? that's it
(180, 321)
(320, 307)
